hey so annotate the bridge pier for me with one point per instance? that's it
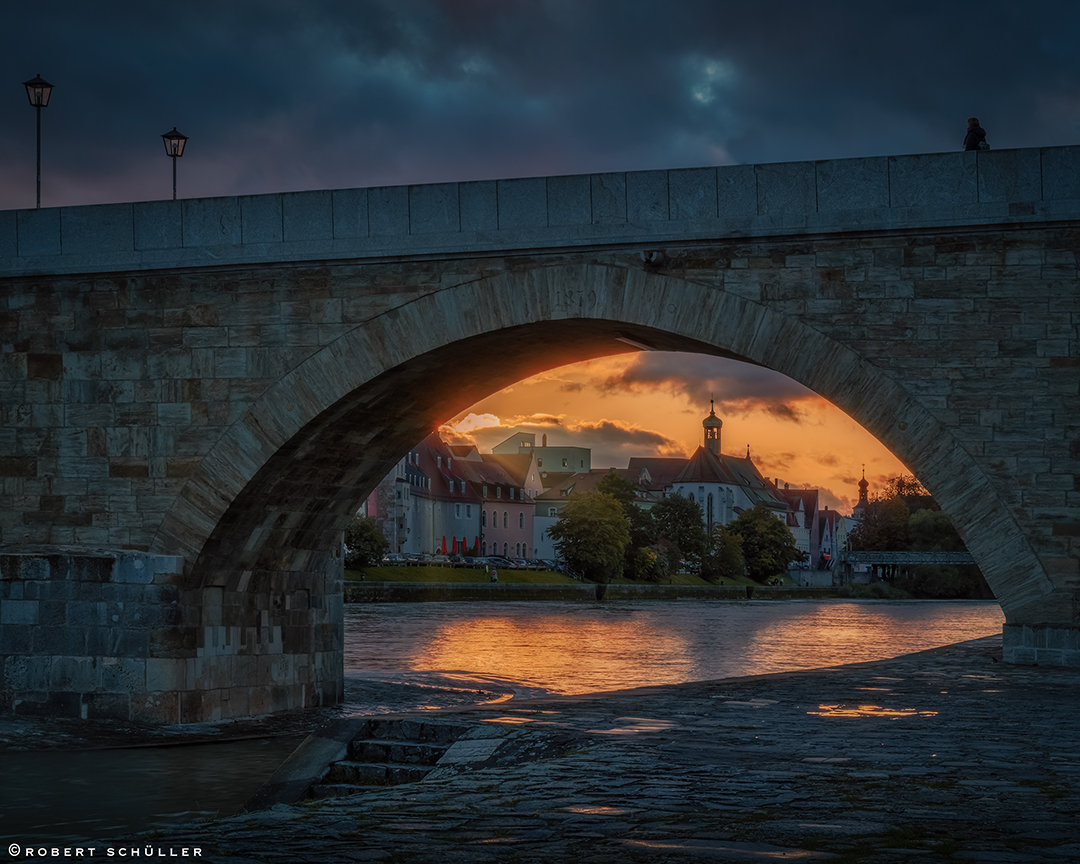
(118, 634)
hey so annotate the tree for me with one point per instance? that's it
(680, 520)
(591, 534)
(884, 527)
(618, 487)
(364, 543)
(767, 544)
(725, 558)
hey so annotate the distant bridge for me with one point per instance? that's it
(909, 558)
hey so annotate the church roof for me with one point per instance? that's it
(706, 467)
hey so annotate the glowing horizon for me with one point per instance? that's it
(652, 404)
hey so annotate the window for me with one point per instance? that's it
(457, 511)
(483, 548)
(438, 461)
(506, 549)
(498, 491)
(553, 511)
(485, 491)
(521, 520)
(468, 511)
(517, 550)
(511, 494)
(539, 463)
(483, 518)
(506, 519)
(691, 496)
(564, 463)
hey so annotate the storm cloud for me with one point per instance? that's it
(281, 95)
(737, 388)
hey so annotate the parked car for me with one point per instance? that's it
(394, 558)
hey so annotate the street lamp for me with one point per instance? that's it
(38, 91)
(174, 146)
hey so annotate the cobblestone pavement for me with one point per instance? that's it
(941, 755)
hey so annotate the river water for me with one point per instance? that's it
(414, 656)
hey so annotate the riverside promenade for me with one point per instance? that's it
(944, 755)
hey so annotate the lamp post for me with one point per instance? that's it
(174, 146)
(38, 91)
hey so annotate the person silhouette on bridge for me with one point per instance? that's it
(976, 136)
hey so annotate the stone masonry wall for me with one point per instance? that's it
(99, 634)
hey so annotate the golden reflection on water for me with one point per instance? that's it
(841, 710)
(581, 648)
(551, 647)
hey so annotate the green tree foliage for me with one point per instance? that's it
(680, 520)
(884, 527)
(767, 544)
(618, 487)
(725, 558)
(591, 534)
(933, 531)
(364, 543)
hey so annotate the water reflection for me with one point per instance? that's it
(577, 648)
(869, 711)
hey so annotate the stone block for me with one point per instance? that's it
(158, 708)
(1060, 176)
(87, 568)
(66, 640)
(106, 228)
(522, 203)
(786, 188)
(350, 213)
(478, 202)
(569, 200)
(17, 639)
(260, 219)
(434, 209)
(693, 193)
(853, 184)
(107, 706)
(608, 198)
(74, 674)
(736, 191)
(1009, 176)
(212, 222)
(44, 704)
(39, 232)
(32, 567)
(158, 225)
(307, 216)
(388, 211)
(19, 611)
(933, 180)
(646, 196)
(9, 236)
(166, 674)
(133, 569)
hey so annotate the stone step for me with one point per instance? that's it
(415, 731)
(348, 772)
(399, 752)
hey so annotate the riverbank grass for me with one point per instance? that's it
(513, 577)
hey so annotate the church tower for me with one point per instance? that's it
(712, 425)
(860, 508)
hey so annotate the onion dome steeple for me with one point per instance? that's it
(712, 425)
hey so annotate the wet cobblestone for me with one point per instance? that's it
(942, 755)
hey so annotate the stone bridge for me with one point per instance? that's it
(195, 395)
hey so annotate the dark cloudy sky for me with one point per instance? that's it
(278, 95)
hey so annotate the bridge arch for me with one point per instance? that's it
(259, 521)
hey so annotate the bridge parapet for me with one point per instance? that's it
(893, 192)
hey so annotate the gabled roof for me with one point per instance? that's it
(706, 467)
(516, 465)
(661, 471)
